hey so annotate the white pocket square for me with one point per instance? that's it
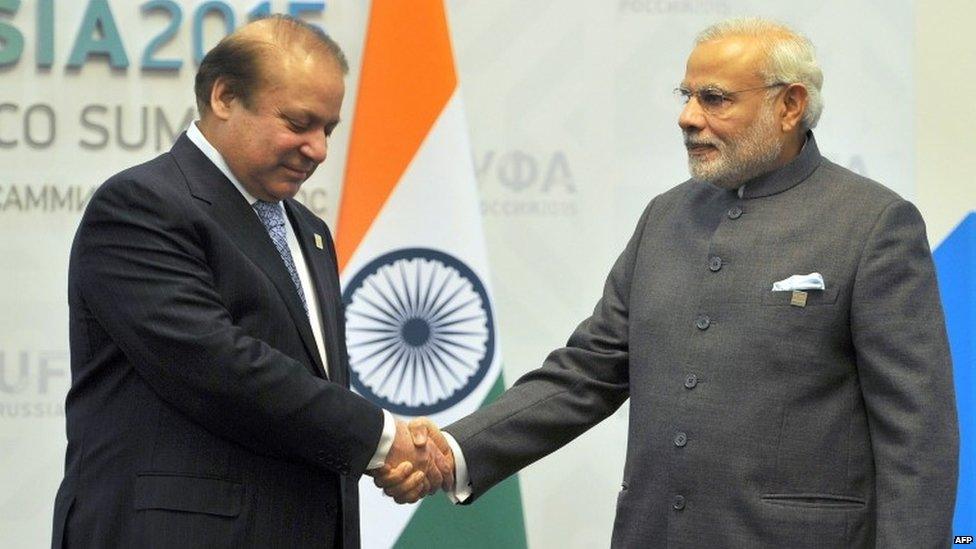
(812, 281)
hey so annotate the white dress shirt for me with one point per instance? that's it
(462, 483)
(314, 309)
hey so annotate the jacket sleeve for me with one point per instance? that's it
(905, 371)
(578, 386)
(140, 266)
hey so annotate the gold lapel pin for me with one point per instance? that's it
(799, 299)
(318, 241)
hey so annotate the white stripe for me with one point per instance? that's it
(435, 205)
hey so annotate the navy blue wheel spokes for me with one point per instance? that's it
(419, 331)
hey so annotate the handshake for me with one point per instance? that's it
(419, 462)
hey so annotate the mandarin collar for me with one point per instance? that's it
(788, 176)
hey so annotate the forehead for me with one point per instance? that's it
(308, 78)
(730, 63)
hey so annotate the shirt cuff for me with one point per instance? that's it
(462, 483)
(386, 442)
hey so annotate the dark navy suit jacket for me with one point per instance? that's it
(199, 413)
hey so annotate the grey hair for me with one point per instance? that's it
(790, 57)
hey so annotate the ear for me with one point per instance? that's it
(222, 99)
(794, 105)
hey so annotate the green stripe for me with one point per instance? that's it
(495, 520)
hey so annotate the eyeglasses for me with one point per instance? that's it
(714, 100)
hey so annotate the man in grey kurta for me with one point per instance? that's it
(818, 415)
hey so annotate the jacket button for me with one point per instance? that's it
(735, 212)
(715, 264)
(703, 322)
(679, 503)
(680, 440)
(691, 381)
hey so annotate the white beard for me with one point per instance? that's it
(740, 158)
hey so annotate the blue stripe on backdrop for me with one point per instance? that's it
(955, 262)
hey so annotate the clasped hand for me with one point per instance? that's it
(419, 463)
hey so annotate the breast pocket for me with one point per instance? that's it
(812, 298)
(800, 334)
(795, 313)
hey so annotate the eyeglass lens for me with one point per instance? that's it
(709, 99)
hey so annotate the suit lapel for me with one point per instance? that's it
(321, 267)
(237, 218)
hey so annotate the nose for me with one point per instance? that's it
(692, 116)
(316, 147)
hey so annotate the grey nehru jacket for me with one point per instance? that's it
(755, 422)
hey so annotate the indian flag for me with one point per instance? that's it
(420, 324)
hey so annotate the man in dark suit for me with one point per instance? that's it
(209, 404)
(776, 324)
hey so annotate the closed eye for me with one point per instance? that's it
(296, 126)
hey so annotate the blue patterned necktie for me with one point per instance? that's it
(273, 219)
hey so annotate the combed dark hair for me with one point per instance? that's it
(237, 59)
